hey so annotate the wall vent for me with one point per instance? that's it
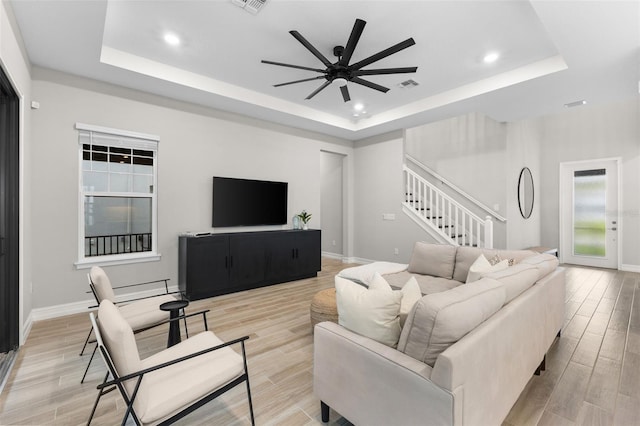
(251, 6)
(408, 84)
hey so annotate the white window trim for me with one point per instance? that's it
(125, 258)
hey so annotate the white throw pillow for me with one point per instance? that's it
(371, 312)
(410, 293)
(482, 266)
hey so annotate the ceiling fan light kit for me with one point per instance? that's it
(341, 72)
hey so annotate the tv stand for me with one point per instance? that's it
(215, 264)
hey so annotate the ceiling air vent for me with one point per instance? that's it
(251, 6)
(408, 84)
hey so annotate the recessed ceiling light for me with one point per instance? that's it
(575, 104)
(171, 39)
(358, 107)
(491, 57)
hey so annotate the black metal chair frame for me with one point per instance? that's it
(181, 317)
(95, 295)
(117, 382)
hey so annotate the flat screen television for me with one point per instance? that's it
(246, 202)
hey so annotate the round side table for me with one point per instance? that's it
(174, 308)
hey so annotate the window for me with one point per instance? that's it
(117, 197)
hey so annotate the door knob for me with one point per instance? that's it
(613, 228)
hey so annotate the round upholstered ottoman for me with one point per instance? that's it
(323, 307)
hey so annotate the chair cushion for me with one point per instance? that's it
(101, 284)
(167, 391)
(439, 320)
(119, 341)
(372, 312)
(146, 312)
(432, 259)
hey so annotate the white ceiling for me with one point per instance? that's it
(551, 53)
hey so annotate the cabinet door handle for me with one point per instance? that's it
(2, 246)
(293, 253)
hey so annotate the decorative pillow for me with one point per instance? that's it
(410, 293)
(439, 320)
(371, 312)
(483, 266)
(436, 260)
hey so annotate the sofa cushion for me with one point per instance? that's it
(465, 256)
(372, 312)
(515, 279)
(482, 266)
(363, 274)
(436, 260)
(439, 320)
(427, 283)
(544, 263)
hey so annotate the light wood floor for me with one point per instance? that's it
(592, 376)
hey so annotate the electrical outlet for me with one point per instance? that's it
(333, 242)
(396, 251)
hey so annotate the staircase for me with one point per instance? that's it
(441, 216)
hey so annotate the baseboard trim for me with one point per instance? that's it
(358, 260)
(26, 328)
(56, 311)
(630, 268)
(336, 256)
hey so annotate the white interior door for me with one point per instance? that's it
(589, 213)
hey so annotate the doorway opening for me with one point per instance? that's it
(9, 214)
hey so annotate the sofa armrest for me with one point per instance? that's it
(370, 383)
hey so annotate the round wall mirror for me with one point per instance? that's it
(525, 192)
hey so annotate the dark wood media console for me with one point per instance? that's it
(215, 264)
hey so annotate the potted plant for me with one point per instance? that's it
(304, 217)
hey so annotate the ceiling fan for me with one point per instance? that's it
(341, 71)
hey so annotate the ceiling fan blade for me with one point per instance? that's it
(315, 92)
(309, 47)
(383, 54)
(345, 93)
(292, 66)
(356, 32)
(299, 81)
(385, 71)
(369, 84)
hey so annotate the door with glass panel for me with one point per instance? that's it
(589, 213)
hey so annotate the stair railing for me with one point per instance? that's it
(468, 197)
(445, 216)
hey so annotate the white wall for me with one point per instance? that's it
(523, 150)
(195, 144)
(588, 133)
(378, 190)
(331, 181)
(17, 67)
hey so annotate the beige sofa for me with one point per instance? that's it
(465, 353)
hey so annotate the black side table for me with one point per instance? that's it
(174, 326)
